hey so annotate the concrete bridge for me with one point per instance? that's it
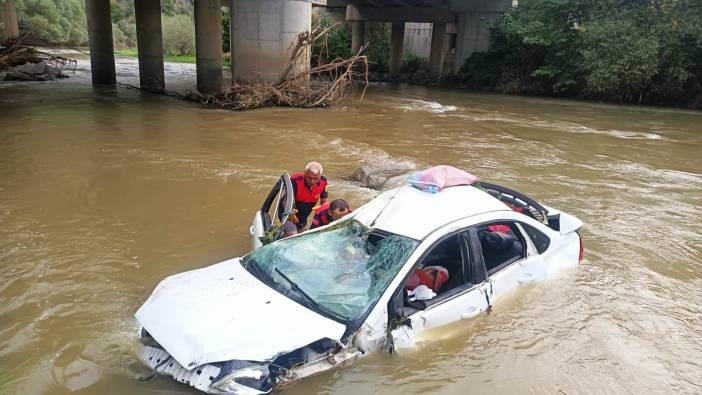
(262, 30)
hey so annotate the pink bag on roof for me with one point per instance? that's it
(435, 179)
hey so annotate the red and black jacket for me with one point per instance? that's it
(306, 198)
(322, 216)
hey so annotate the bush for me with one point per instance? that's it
(178, 35)
(338, 44)
(378, 35)
(226, 45)
(414, 70)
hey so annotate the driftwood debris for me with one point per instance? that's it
(298, 85)
(19, 62)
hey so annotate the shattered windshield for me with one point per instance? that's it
(340, 271)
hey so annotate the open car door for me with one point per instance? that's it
(268, 222)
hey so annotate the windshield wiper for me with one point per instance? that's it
(298, 289)
(307, 297)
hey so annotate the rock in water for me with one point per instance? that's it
(384, 176)
(78, 374)
(32, 72)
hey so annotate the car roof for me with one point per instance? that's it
(410, 212)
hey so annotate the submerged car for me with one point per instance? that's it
(302, 305)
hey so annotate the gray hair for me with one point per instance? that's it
(314, 167)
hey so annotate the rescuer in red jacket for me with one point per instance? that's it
(330, 212)
(309, 188)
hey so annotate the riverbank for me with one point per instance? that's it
(132, 53)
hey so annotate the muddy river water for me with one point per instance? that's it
(104, 192)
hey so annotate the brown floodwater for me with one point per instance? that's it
(105, 192)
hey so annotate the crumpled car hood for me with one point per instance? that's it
(222, 312)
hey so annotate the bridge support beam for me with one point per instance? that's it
(208, 45)
(149, 44)
(397, 40)
(262, 34)
(437, 51)
(102, 56)
(357, 36)
(8, 18)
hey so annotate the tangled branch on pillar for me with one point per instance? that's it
(298, 84)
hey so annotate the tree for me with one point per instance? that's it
(178, 34)
(56, 21)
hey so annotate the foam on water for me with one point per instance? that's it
(423, 105)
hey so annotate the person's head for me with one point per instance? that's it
(313, 172)
(338, 208)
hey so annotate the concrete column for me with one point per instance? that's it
(102, 56)
(472, 34)
(436, 54)
(397, 39)
(208, 45)
(149, 44)
(8, 18)
(357, 36)
(263, 33)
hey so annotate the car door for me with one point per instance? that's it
(510, 270)
(268, 222)
(464, 301)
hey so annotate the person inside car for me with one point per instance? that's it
(330, 212)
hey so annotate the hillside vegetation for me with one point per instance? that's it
(63, 22)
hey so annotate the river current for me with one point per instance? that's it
(105, 192)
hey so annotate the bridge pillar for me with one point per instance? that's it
(208, 45)
(102, 56)
(263, 31)
(436, 53)
(357, 36)
(473, 34)
(149, 44)
(8, 18)
(397, 39)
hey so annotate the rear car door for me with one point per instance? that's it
(269, 220)
(510, 257)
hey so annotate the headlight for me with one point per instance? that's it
(253, 379)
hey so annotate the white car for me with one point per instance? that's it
(306, 304)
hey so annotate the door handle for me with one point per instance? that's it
(470, 313)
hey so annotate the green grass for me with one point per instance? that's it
(132, 52)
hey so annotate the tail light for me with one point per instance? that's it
(582, 249)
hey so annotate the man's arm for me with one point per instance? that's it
(324, 196)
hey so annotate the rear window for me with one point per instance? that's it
(540, 240)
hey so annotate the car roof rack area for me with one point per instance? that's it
(509, 196)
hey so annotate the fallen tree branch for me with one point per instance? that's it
(298, 84)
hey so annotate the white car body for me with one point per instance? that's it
(220, 328)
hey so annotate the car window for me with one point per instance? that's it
(540, 240)
(343, 270)
(501, 245)
(441, 268)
